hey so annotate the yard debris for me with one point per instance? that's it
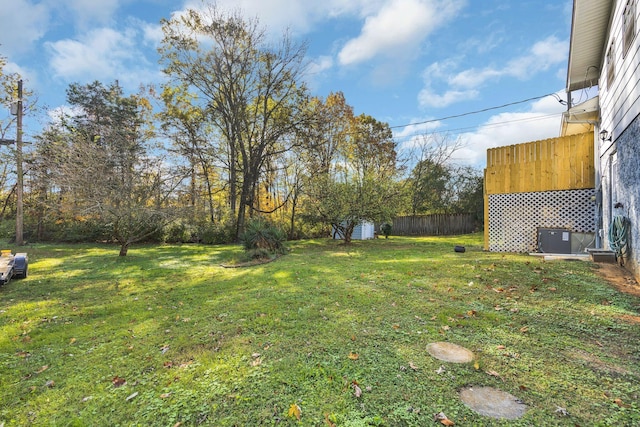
(294, 411)
(494, 374)
(357, 391)
(441, 370)
(440, 416)
(118, 381)
(131, 396)
(562, 411)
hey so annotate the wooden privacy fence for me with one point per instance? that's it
(434, 225)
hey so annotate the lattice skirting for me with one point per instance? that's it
(514, 218)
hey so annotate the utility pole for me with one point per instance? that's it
(19, 181)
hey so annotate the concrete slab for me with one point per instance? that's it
(449, 352)
(492, 402)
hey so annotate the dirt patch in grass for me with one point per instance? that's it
(596, 363)
(619, 277)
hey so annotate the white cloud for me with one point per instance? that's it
(87, 13)
(541, 121)
(102, 54)
(21, 24)
(542, 56)
(428, 98)
(398, 27)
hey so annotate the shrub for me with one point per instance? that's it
(259, 234)
(386, 229)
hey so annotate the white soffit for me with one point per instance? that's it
(589, 27)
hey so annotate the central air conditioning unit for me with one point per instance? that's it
(554, 240)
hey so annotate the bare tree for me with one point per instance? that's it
(251, 90)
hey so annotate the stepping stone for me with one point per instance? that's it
(450, 352)
(493, 403)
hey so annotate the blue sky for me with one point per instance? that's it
(400, 61)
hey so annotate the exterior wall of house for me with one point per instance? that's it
(540, 184)
(620, 169)
(619, 165)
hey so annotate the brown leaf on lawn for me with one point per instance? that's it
(412, 366)
(328, 421)
(256, 362)
(168, 364)
(524, 329)
(165, 395)
(357, 391)
(621, 404)
(353, 337)
(50, 383)
(118, 381)
(396, 326)
(501, 347)
(440, 416)
(72, 340)
(44, 368)
(476, 365)
(494, 374)
(353, 356)
(294, 411)
(23, 354)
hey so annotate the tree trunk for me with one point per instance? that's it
(124, 248)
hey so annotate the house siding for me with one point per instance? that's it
(619, 158)
(621, 184)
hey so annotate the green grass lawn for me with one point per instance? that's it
(166, 336)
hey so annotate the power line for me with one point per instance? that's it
(486, 125)
(473, 112)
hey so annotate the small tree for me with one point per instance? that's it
(103, 168)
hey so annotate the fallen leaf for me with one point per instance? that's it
(131, 396)
(256, 362)
(494, 374)
(118, 382)
(44, 368)
(440, 416)
(440, 370)
(255, 355)
(396, 326)
(328, 421)
(294, 411)
(50, 383)
(501, 347)
(164, 349)
(357, 391)
(353, 337)
(620, 403)
(165, 395)
(412, 366)
(72, 340)
(353, 356)
(524, 329)
(476, 365)
(562, 411)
